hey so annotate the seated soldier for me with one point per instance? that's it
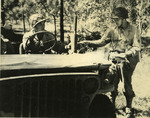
(38, 40)
(6, 46)
(7, 31)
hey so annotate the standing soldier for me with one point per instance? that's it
(123, 41)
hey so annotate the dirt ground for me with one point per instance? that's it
(141, 86)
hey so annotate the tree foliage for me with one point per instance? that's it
(93, 15)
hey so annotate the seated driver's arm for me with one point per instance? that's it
(26, 40)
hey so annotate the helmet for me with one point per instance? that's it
(120, 12)
(36, 19)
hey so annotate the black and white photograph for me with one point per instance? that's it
(75, 59)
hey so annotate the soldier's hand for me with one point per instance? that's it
(116, 55)
(122, 55)
(83, 42)
(36, 42)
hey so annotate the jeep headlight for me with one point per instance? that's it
(90, 85)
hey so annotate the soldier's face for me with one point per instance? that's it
(117, 21)
(40, 26)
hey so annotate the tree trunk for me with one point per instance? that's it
(61, 22)
(2, 12)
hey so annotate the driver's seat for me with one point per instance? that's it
(21, 49)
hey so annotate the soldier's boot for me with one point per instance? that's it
(128, 109)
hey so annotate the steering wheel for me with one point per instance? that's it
(42, 41)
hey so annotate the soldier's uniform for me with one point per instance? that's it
(35, 44)
(124, 41)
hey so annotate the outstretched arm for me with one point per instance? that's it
(98, 43)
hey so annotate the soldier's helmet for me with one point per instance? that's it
(36, 19)
(120, 12)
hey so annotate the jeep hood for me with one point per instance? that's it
(35, 61)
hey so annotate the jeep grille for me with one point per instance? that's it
(43, 96)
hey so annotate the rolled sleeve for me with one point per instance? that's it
(26, 39)
(135, 48)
